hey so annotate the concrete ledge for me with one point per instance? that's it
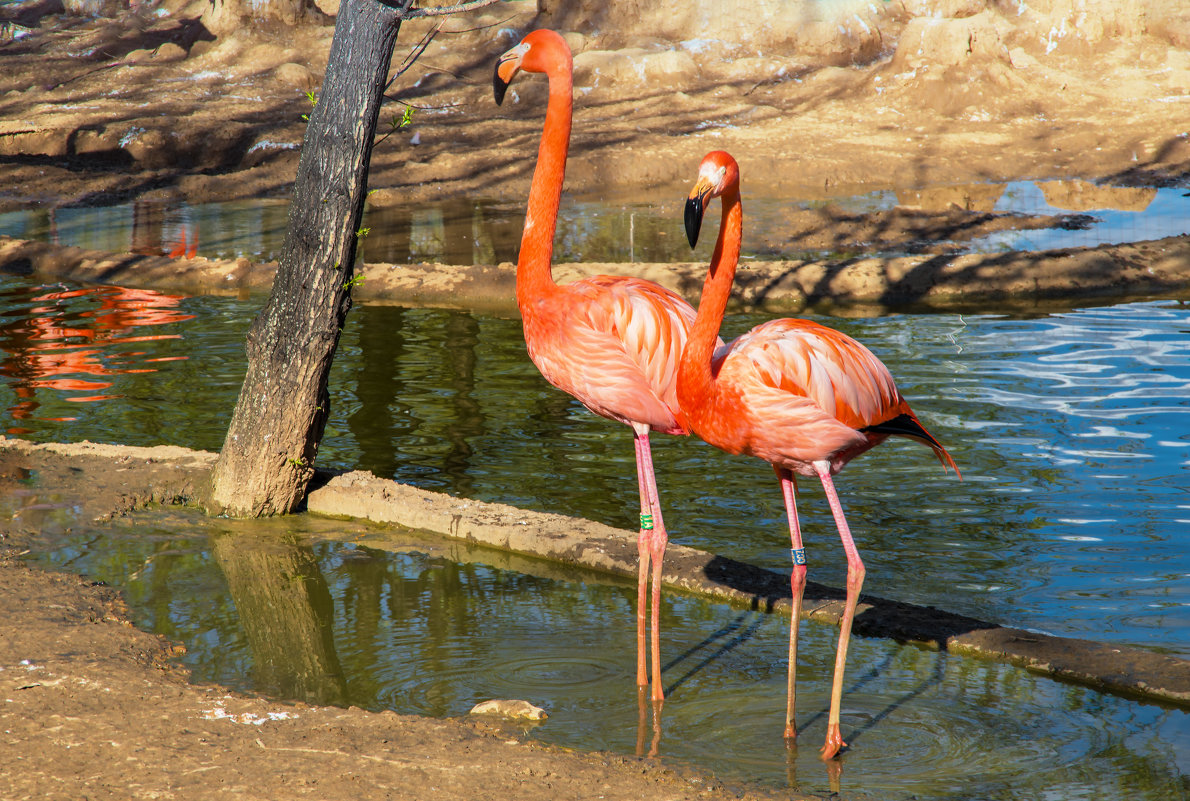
(134, 476)
(587, 544)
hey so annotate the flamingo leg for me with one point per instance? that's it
(656, 547)
(644, 540)
(855, 580)
(797, 586)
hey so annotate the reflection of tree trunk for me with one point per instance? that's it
(502, 229)
(267, 457)
(391, 239)
(462, 335)
(287, 614)
(379, 387)
(148, 228)
(458, 231)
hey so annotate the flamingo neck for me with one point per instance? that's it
(694, 374)
(534, 276)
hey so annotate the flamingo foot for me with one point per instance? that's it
(834, 742)
(658, 694)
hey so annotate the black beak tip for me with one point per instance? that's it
(499, 87)
(693, 220)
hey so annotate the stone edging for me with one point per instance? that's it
(594, 546)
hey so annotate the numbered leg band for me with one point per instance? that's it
(646, 522)
(799, 555)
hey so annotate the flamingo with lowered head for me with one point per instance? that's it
(612, 342)
(803, 397)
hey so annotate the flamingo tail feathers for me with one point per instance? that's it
(906, 425)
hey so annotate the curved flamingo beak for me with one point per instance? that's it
(506, 69)
(696, 205)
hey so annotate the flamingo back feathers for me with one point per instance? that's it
(839, 374)
(793, 392)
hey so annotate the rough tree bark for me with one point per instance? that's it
(267, 458)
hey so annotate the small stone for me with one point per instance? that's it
(517, 710)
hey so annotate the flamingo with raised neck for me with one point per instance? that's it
(612, 342)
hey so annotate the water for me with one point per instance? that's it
(1071, 429)
(421, 626)
(645, 227)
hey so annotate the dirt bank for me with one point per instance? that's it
(892, 95)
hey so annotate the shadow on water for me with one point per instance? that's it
(732, 635)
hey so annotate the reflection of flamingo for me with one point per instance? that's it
(803, 397)
(181, 249)
(43, 355)
(611, 342)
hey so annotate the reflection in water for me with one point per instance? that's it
(286, 614)
(408, 629)
(460, 340)
(967, 197)
(1086, 196)
(70, 340)
(646, 228)
(1071, 431)
(380, 418)
(389, 387)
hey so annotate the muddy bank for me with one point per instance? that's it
(1008, 281)
(91, 707)
(174, 474)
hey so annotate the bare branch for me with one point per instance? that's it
(484, 27)
(442, 11)
(424, 108)
(414, 54)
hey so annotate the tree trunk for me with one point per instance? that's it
(268, 455)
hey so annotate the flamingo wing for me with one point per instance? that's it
(839, 374)
(805, 392)
(614, 343)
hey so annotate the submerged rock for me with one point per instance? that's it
(517, 710)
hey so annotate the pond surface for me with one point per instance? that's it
(1072, 431)
(346, 613)
(643, 227)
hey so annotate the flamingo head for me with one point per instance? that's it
(538, 52)
(717, 174)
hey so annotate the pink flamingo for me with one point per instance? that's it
(612, 342)
(801, 396)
